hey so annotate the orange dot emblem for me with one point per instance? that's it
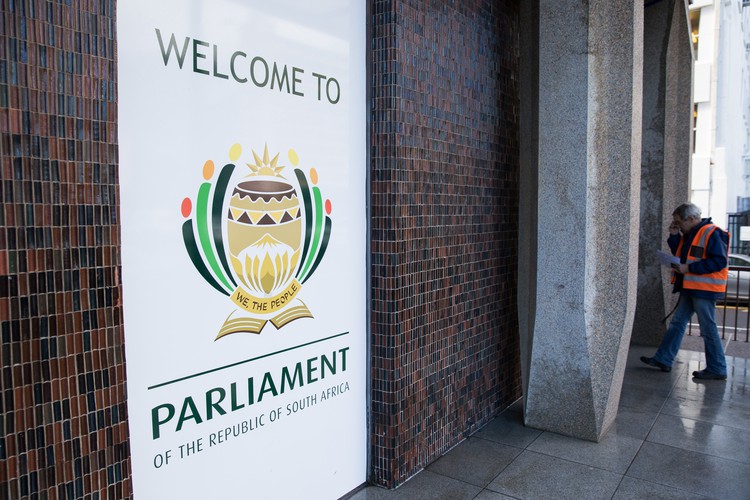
(186, 208)
(208, 169)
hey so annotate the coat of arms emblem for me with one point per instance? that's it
(261, 245)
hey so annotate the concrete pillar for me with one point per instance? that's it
(665, 159)
(581, 167)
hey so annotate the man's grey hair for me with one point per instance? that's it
(687, 210)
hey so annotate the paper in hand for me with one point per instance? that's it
(667, 260)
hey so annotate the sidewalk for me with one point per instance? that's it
(673, 438)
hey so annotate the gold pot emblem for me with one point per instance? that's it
(264, 230)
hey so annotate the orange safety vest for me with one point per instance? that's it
(711, 282)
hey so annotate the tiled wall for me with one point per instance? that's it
(445, 153)
(444, 206)
(63, 420)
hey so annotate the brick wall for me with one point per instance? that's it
(63, 419)
(444, 226)
(445, 153)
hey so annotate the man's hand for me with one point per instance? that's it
(674, 228)
(684, 268)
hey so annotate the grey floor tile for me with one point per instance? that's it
(697, 448)
(692, 348)
(633, 423)
(642, 397)
(635, 352)
(729, 390)
(739, 349)
(645, 376)
(737, 368)
(730, 413)
(693, 364)
(536, 476)
(516, 406)
(371, 493)
(637, 489)
(424, 486)
(613, 453)
(475, 461)
(739, 361)
(696, 472)
(508, 428)
(739, 374)
(491, 495)
(704, 437)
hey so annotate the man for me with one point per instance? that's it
(701, 279)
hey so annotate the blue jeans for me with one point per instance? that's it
(706, 311)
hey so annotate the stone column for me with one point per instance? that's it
(584, 229)
(528, 181)
(665, 160)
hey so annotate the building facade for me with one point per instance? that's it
(720, 34)
(521, 161)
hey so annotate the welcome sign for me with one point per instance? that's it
(242, 175)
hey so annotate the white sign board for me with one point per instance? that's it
(744, 233)
(242, 175)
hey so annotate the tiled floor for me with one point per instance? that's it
(673, 438)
